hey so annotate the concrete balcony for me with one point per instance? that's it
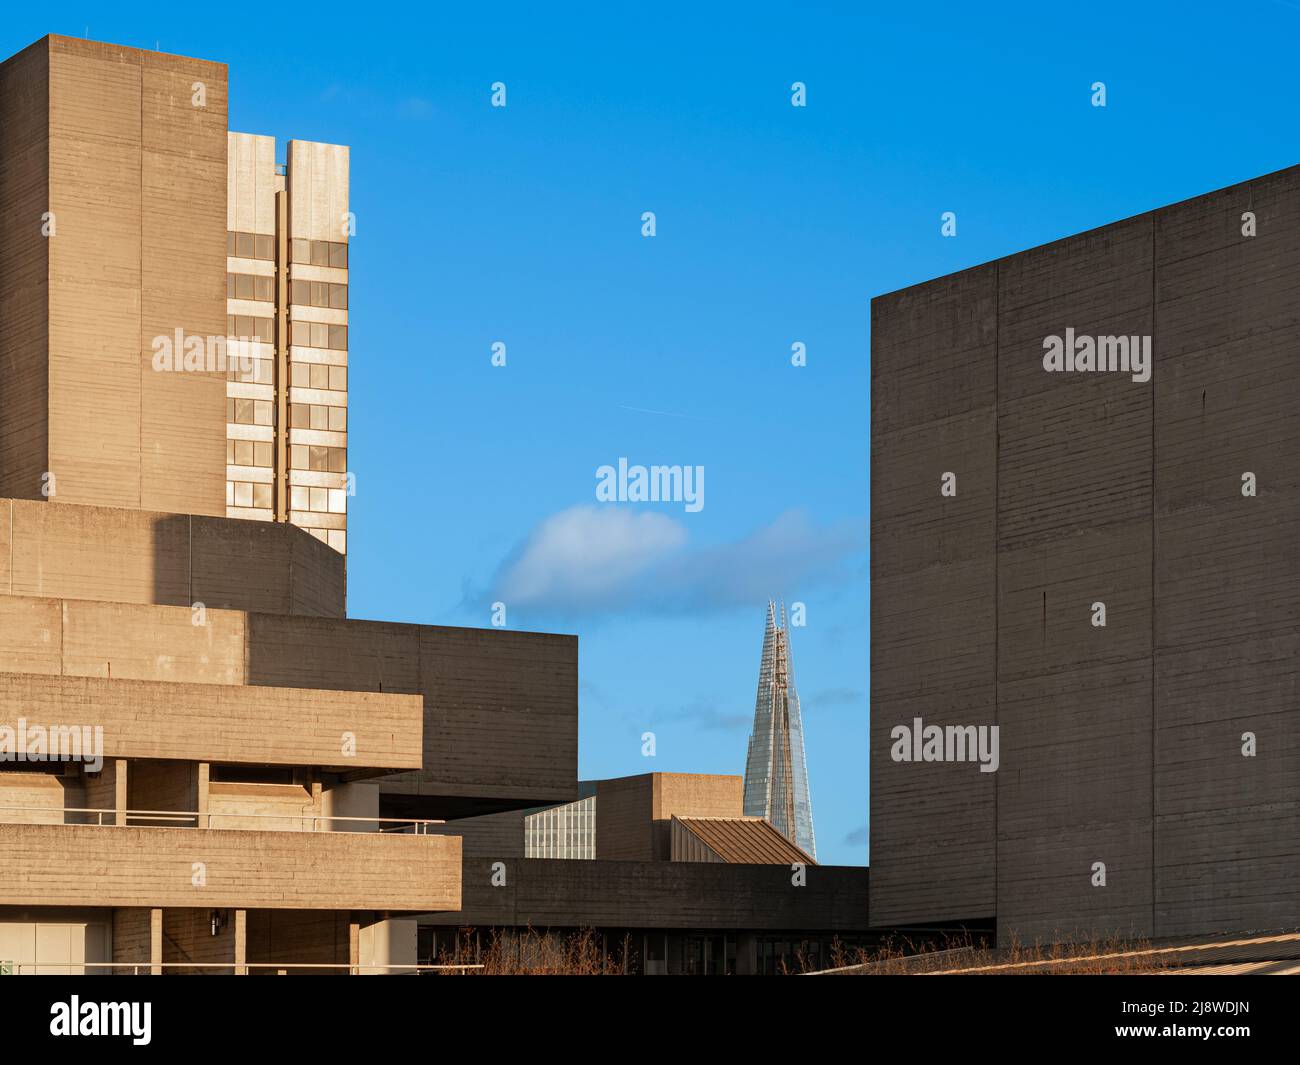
(343, 730)
(89, 865)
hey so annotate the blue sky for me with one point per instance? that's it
(775, 224)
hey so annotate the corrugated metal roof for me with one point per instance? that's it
(744, 840)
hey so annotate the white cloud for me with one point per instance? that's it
(608, 559)
(584, 555)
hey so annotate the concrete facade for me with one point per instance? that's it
(1120, 744)
(116, 186)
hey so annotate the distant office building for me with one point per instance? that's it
(776, 773)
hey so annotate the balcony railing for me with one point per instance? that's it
(277, 968)
(193, 819)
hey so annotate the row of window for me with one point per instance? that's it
(318, 500)
(251, 328)
(318, 458)
(316, 416)
(249, 453)
(318, 335)
(250, 287)
(318, 375)
(319, 253)
(250, 411)
(301, 375)
(244, 494)
(251, 246)
(311, 500)
(319, 294)
(301, 334)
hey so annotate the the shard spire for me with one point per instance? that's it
(776, 773)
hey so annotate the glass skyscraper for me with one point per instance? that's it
(776, 773)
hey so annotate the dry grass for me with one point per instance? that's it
(530, 953)
(961, 954)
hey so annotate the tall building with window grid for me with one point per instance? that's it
(287, 299)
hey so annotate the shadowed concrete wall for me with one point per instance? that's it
(1120, 744)
(133, 556)
(24, 271)
(563, 893)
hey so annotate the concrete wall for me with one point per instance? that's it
(633, 814)
(24, 271)
(39, 798)
(561, 893)
(135, 176)
(490, 836)
(1119, 744)
(78, 865)
(188, 940)
(223, 723)
(500, 708)
(122, 555)
(933, 591)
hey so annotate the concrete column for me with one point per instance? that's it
(120, 793)
(354, 944)
(155, 941)
(203, 779)
(241, 942)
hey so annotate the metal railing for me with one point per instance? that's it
(307, 822)
(228, 968)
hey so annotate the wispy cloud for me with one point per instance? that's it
(707, 714)
(591, 560)
(834, 697)
(859, 837)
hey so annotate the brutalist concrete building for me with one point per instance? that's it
(1085, 511)
(205, 764)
